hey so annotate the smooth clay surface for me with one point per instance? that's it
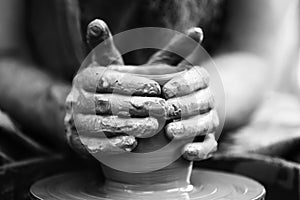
(205, 185)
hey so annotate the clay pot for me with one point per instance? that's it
(175, 175)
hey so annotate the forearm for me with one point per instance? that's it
(245, 78)
(33, 99)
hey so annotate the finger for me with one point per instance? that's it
(196, 103)
(113, 145)
(102, 80)
(200, 150)
(194, 79)
(199, 125)
(159, 69)
(106, 53)
(179, 48)
(120, 105)
(76, 144)
(161, 73)
(72, 134)
(109, 126)
(83, 145)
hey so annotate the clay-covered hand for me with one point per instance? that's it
(109, 109)
(193, 104)
(190, 101)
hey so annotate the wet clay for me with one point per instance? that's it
(173, 181)
(204, 185)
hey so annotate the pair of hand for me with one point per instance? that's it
(112, 101)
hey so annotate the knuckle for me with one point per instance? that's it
(203, 73)
(70, 98)
(201, 150)
(197, 78)
(174, 130)
(205, 98)
(211, 121)
(212, 144)
(215, 119)
(114, 145)
(144, 128)
(78, 77)
(215, 147)
(77, 146)
(174, 109)
(128, 143)
(73, 138)
(68, 106)
(211, 99)
(153, 106)
(193, 152)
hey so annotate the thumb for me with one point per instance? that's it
(100, 43)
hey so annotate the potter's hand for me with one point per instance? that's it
(195, 107)
(190, 97)
(101, 107)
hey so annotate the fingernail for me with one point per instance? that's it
(190, 152)
(196, 33)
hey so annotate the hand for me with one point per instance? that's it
(192, 101)
(100, 105)
(190, 97)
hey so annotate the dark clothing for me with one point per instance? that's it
(54, 36)
(55, 30)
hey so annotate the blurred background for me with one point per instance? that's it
(42, 45)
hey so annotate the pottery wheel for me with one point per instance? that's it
(206, 185)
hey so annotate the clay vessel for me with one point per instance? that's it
(174, 176)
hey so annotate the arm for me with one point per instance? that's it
(31, 96)
(245, 56)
